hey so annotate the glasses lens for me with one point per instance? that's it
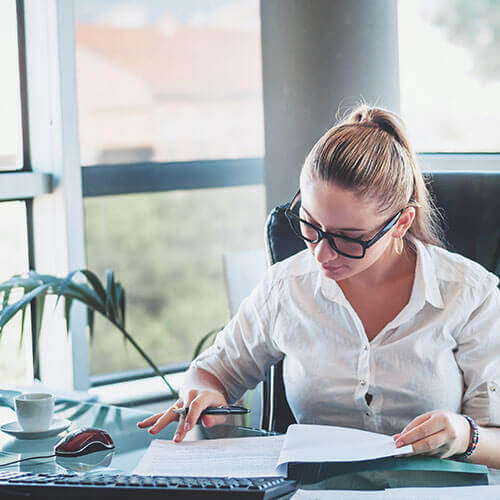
(350, 248)
(303, 230)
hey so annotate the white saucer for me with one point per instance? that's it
(57, 426)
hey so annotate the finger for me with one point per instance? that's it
(184, 425)
(149, 421)
(211, 420)
(417, 421)
(396, 436)
(429, 427)
(163, 421)
(198, 404)
(165, 418)
(180, 432)
(430, 443)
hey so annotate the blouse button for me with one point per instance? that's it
(365, 348)
(368, 413)
(493, 388)
(362, 382)
(219, 348)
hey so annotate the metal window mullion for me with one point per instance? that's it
(33, 308)
(23, 87)
(25, 137)
(456, 162)
(107, 180)
(22, 185)
(58, 234)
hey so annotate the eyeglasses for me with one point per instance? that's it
(348, 247)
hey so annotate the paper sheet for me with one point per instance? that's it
(446, 493)
(232, 457)
(325, 443)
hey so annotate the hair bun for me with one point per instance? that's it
(379, 118)
(360, 115)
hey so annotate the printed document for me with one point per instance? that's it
(231, 457)
(266, 455)
(326, 443)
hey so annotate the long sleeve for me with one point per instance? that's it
(478, 355)
(245, 349)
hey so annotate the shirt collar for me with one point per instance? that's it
(425, 286)
(426, 273)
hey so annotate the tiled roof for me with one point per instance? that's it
(186, 61)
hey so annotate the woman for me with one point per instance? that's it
(380, 328)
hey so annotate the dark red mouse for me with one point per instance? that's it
(84, 441)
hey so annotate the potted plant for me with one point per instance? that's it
(81, 285)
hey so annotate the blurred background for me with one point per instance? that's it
(181, 81)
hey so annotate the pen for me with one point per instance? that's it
(216, 410)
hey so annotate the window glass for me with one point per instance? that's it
(10, 117)
(168, 81)
(167, 251)
(15, 359)
(450, 74)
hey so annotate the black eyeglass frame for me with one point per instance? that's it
(365, 244)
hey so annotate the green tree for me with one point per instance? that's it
(474, 24)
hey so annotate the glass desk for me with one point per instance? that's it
(132, 442)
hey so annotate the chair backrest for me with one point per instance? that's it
(242, 272)
(470, 205)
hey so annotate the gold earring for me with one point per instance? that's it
(399, 245)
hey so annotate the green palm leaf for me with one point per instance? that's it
(40, 306)
(96, 284)
(68, 302)
(21, 337)
(63, 285)
(6, 296)
(121, 305)
(90, 322)
(109, 302)
(10, 311)
(111, 308)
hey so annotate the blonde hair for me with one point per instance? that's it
(369, 152)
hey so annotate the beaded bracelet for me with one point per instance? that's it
(475, 437)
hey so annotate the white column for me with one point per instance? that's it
(319, 56)
(58, 216)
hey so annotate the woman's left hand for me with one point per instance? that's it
(436, 432)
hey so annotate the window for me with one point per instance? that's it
(174, 90)
(15, 356)
(15, 350)
(10, 118)
(450, 74)
(173, 80)
(166, 250)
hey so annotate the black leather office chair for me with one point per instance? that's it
(470, 204)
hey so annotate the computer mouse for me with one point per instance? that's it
(84, 441)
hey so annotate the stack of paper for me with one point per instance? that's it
(265, 456)
(324, 443)
(232, 457)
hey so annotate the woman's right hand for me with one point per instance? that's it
(196, 401)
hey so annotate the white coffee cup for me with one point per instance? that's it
(34, 411)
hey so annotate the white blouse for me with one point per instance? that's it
(442, 351)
